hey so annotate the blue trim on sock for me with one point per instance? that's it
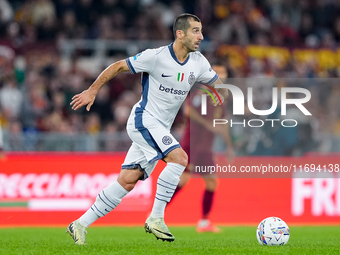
(108, 199)
(161, 200)
(105, 202)
(162, 195)
(166, 182)
(165, 186)
(98, 210)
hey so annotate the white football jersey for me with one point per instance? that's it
(166, 82)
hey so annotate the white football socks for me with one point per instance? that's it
(105, 202)
(166, 185)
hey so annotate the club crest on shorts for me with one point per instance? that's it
(191, 78)
(167, 140)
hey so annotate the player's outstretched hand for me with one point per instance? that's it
(222, 97)
(85, 98)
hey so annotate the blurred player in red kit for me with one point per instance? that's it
(2, 154)
(199, 147)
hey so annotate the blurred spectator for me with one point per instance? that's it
(203, 9)
(289, 35)
(52, 122)
(104, 28)
(157, 24)
(328, 41)
(42, 10)
(76, 122)
(324, 13)
(108, 7)
(85, 12)
(102, 104)
(306, 26)
(14, 137)
(12, 37)
(64, 6)
(92, 124)
(58, 113)
(336, 29)
(69, 28)
(6, 11)
(34, 107)
(232, 31)
(118, 21)
(122, 114)
(11, 99)
(110, 131)
(170, 13)
(256, 21)
(47, 30)
(129, 98)
(6, 17)
(140, 29)
(131, 9)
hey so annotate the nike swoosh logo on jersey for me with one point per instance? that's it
(169, 191)
(165, 75)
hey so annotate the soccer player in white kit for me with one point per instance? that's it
(168, 73)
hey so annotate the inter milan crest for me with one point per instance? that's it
(191, 78)
(167, 140)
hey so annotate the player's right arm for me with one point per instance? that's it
(142, 62)
(88, 96)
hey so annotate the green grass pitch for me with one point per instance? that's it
(133, 240)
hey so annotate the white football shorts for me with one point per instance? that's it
(151, 141)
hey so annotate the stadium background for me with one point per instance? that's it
(57, 159)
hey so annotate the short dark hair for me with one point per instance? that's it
(182, 22)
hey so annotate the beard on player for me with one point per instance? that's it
(191, 45)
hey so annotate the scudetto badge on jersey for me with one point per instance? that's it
(180, 77)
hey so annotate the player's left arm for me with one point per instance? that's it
(210, 77)
(223, 93)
